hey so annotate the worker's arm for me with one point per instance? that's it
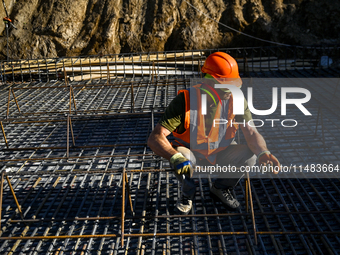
(159, 143)
(257, 144)
(170, 120)
(255, 140)
(161, 146)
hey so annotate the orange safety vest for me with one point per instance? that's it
(219, 137)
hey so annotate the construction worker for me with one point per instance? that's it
(184, 123)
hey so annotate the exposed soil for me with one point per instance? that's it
(53, 28)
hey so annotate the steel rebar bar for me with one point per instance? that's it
(4, 134)
(15, 197)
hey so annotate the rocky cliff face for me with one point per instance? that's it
(51, 28)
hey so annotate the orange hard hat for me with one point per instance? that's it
(221, 65)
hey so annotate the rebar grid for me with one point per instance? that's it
(71, 192)
(87, 196)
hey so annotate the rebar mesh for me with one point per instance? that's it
(68, 181)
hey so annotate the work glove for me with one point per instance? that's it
(266, 158)
(182, 165)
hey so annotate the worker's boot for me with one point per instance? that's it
(226, 197)
(184, 204)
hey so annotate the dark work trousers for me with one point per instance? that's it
(235, 154)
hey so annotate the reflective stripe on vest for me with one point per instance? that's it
(219, 137)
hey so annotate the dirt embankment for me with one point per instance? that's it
(51, 28)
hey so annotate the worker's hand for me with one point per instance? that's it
(265, 158)
(182, 165)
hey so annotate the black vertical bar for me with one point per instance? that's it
(152, 120)
(81, 69)
(39, 74)
(124, 66)
(2, 71)
(56, 70)
(286, 58)
(9, 98)
(185, 76)
(47, 73)
(133, 69)
(322, 128)
(303, 57)
(108, 72)
(90, 69)
(21, 74)
(100, 68)
(317, 121)
(29, 69)
(132, 99)
(68, 137)
(72, 68)
(1, 192)
(261, 59)
(123, 208)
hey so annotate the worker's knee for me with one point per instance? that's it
(237, 155)
(251, 160)
(248, 158)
